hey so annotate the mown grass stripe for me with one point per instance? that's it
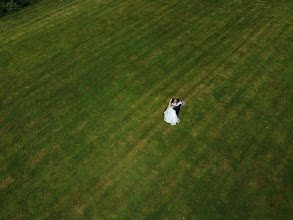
(32, 27)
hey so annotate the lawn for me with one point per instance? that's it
(83, 89)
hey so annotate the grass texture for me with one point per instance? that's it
(83, 89)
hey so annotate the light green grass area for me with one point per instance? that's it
(83, 89)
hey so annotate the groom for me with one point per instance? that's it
(177, 108)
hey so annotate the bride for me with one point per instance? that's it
(170, 115)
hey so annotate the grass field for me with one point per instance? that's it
(84, 85)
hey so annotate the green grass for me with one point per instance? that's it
(84, 85)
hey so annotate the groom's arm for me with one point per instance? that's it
(175, 105)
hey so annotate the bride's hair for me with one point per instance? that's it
(172, 100)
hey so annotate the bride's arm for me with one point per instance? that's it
(179, 103)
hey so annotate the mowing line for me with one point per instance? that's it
(33, 29)
(234, 78)
(11, 21)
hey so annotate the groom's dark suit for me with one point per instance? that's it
(177, 109)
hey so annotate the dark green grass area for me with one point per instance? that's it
(83, 89)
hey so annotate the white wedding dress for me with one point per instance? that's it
(170, 115)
